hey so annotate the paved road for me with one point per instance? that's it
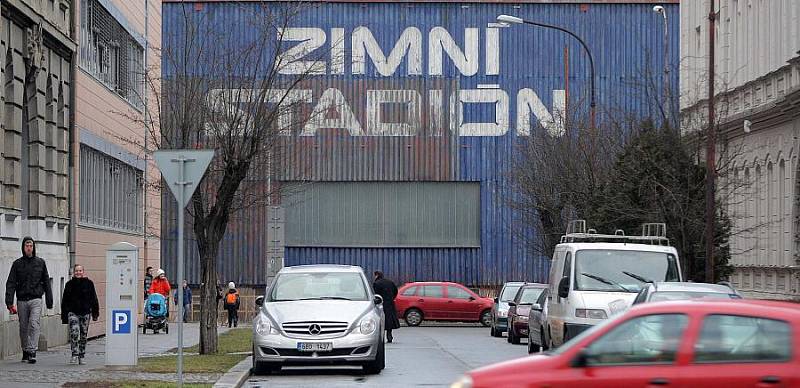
(419, 356)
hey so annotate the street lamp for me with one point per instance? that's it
(660, 10)
(515, 20)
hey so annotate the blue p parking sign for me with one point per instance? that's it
(120, 321)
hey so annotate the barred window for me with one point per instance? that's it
(110, 53)
(110, 192)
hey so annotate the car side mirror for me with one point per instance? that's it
(581, 360)
(563, 287)
(377, 299)
(536, 307)
(260, 301)
(512, 304)
(496, 300)
(471, 298)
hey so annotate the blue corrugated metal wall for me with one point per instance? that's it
(626, 40)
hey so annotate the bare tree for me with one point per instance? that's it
(236, 90)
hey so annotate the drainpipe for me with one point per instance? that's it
(146, 134)
(72, 140)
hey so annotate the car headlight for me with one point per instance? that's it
(367, 325)
(502, 313)
(464, 382)
(263, 326)
(591, 313)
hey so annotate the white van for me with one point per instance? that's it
(594, 276)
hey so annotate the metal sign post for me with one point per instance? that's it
(182, 170)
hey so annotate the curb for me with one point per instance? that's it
(235, 377)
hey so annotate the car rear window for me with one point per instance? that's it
(410, 291)
(736, 338)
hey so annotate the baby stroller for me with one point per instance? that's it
(155, 313)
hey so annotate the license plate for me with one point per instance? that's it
(314, 346)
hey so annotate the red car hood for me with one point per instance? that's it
(513, 370)
(523, 310)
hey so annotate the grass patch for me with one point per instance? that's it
(132, 384)
(209, 363)
(232, 341)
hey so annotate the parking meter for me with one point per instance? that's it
(122, 300)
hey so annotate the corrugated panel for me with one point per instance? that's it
(404, 265)
(384, 214)
(626, 40)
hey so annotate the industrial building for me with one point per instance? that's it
(409, 175)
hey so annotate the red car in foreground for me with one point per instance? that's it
(696, 343)
(442, 301)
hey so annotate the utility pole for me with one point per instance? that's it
(711, 153)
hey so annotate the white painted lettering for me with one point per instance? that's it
(492, 51)
(413, 114)
(409, 44)
(528, 102)
(332, 100)
(337, 51)
(472, 96)
(289, 62)
(466, 61)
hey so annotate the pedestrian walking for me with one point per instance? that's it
(28, 279)
(160, 284)
(232, 305)
(78, 304)
(220, 295)
(187, 300)
(388, 291)
(148, 281)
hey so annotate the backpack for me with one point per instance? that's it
(231, 298)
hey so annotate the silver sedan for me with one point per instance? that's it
(318, 315)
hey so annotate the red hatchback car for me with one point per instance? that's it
(696, 343)
(442, 301)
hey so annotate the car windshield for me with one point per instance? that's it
(509, 292)
(530, 295)
(319, 286)
(683, 295)
(622, 271)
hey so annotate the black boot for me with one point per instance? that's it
(389, 337)
(25, 356)
(32, 357)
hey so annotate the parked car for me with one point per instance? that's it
(662, 291)
(442, 301)
(595, 276)
(500, 308)
(537, 335)
(519, 309)
(319, 314)
(691, 343)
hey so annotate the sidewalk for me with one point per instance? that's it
(52, 368)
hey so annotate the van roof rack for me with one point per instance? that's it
(652, 234)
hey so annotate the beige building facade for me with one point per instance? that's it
(110, 199)
(757, 79)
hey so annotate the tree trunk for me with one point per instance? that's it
(209, 305)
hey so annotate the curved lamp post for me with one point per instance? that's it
(515, 20)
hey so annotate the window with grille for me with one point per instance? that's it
(110, 192)
(110, 53)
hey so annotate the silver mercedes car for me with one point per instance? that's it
(318, 315)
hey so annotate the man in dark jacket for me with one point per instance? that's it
(28, 279)
(78, 304)
(148, 281)
(187, 300)
(388, 291)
